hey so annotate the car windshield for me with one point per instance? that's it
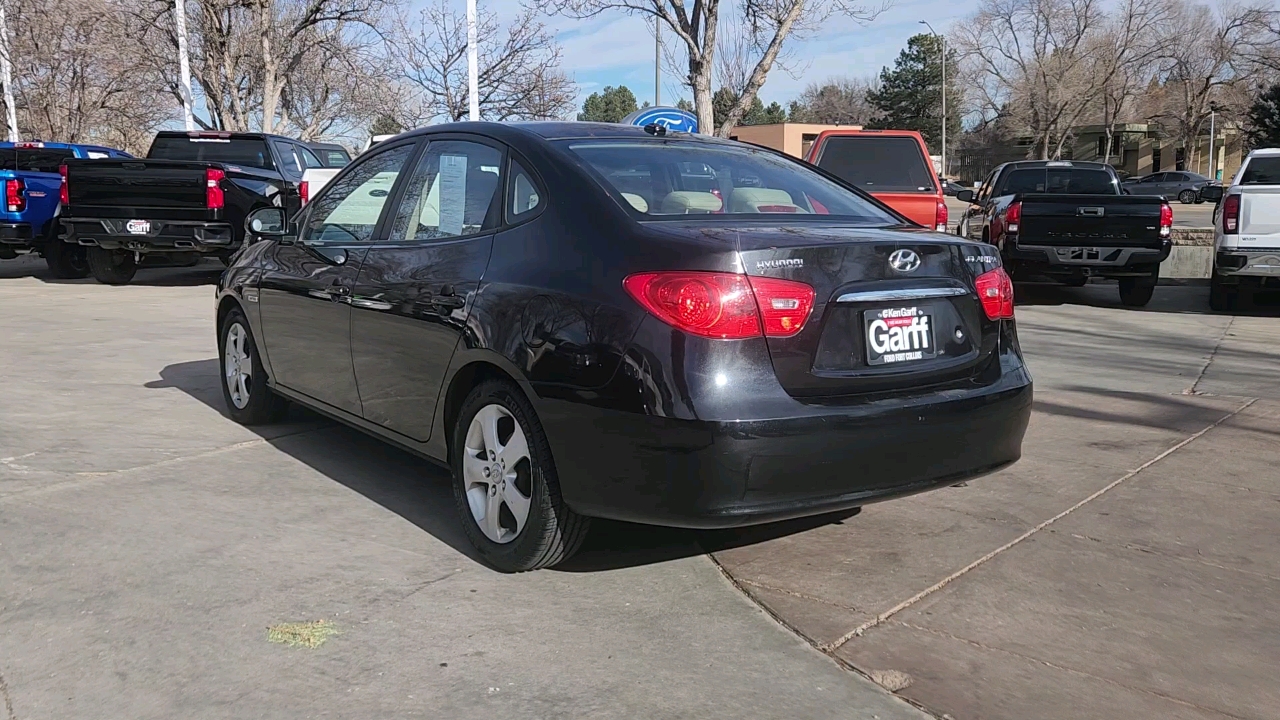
(45, 160)
(682, 177)
(877, 164)
(1261, 171)
(251, 152)
(1059, 181)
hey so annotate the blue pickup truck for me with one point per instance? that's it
(30, 173)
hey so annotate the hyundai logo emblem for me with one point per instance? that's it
(904, 261)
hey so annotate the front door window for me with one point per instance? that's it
(349, 208)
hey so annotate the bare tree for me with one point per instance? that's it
(6, 77)
(1127, 48)
(837, 101)
(768, 24)
(519, 66)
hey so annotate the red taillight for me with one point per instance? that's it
(724, 306)
(940, 217)
(213, 197)
(784, 305)
(1231, 214)
(995, 290)
(1012, 217)
(1166, 220)
(304, 191)
(14, 201)
(64, 192)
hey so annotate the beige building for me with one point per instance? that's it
(790, 138)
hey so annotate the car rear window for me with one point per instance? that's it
(44, 160)
(877, 164)
(1261, 171)
(1059, 181)
(250, 152)
(333, 158)
(671, 177)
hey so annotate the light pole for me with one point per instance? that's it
(943, 39)
(473, 63)
(1213, 136)
(657, 61)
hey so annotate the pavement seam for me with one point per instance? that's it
(802, 596)
(1209, 361)
(1071, 670)
(8, 701)
(882, 617)
(83, 479)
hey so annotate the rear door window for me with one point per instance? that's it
(249, 152)
(45, 160)
(877, 164)
(1261, 171)
(308, 158)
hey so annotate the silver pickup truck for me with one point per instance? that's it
(1246, 238)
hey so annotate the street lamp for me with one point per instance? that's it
(943, 39)
(1213, 155)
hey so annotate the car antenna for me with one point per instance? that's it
(656, 129)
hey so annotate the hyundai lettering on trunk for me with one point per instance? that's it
(897, 335)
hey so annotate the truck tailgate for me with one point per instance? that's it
(1093, 220)
(1259, 217)
(131, 188)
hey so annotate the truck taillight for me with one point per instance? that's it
(1166, 220)
(940, 217)
(1013, 217)
(64, 192)
(995, 290)
(1231, 214)
(213, 197)
(14, 200)
(304, 191)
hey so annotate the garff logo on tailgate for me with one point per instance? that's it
(900, 334)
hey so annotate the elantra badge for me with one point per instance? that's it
(904, 261)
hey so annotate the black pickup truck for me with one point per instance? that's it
(1069, 221)
(187, 198)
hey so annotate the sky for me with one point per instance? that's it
(618, 49)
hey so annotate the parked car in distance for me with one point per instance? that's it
(33, 190)
(188, 197)
(1068, 221)
(950, 187)
(1185, 186)
(573, 342)
(1246, 235)
(374, 140)
(332, 155)
(892, 165)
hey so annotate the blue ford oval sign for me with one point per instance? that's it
(673, 119)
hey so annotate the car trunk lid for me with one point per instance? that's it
(892, 311)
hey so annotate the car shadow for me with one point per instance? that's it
(1190, 297)
(205, 272)
(421, 492)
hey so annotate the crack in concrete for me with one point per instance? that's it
(8, 701)
(1209, 361)
(884, 616)
(802, 596)
(1066, 669)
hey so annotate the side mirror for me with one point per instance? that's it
(965, 196)
(267, 222)
(1211, 193)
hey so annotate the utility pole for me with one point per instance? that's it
(184, 63)
(473, 63)
(6, 77)
(657, 61)
(943, 39)
(1213, 115)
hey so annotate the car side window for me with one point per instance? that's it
(989, 186)
(522, 192)
(288, 161)
(450, 193)
(309, 159)
(349, 208)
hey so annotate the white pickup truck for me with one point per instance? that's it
(314, 179)
(1246, 238)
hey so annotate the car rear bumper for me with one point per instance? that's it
(1261, 262)
(163, 235)
(1086, 260)
(715, 474)
(16, 234)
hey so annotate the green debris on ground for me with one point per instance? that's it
(302, 634)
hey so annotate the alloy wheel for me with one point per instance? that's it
(237, 365)
(497, 473)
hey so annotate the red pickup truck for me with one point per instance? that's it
(892, 165)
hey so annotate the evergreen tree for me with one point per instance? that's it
(910, 95)
(386, 125)
(1263, 119)
(609, 105)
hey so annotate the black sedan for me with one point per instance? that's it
(586, 320)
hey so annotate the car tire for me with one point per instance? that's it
(1187, 197)
(1137, 291)
(1222, 297)
(249, 400)
(112, 267)
(496, 479)
(66, 261)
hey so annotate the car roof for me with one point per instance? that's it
(228, 133)
(561, 130)
(1020, 164)
(1265, 152)
(325, 146)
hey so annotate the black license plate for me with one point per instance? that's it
(899, 335)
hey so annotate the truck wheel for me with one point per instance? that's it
(112, 267)
(1222, 297)
(66, 261)
(1186, 197)
(1080, 281)
(505, 483)
(1137, 291)
(244, 380)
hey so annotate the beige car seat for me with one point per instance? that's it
(636, 202)
(749, 200)
(684, 202)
